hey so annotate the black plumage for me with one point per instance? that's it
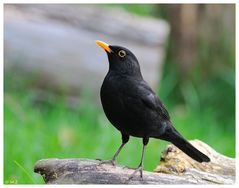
(133, 108)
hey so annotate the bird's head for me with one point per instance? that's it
(121, 59)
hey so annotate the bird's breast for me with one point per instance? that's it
(111, 101)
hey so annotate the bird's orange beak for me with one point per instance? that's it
(103, 45)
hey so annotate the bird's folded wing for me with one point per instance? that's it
(150, 100)
(153, 102)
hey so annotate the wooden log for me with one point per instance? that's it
(175, 168)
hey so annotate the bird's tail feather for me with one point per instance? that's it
(176, 138)
(191, 151)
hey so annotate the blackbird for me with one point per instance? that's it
(133, 107)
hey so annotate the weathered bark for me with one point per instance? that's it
(221, 170)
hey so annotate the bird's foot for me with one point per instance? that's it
(140, 170)
(112, 162)
(127, 167)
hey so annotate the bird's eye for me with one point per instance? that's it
(122, 53)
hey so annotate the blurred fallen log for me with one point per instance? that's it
(175, 168)
(56, 42)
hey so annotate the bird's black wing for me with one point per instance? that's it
(151, 100)
(145, 100)
(170, 134)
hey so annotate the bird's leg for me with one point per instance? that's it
(125, 139)
(140, 168)
(116, 154)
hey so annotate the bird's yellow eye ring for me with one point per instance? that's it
(122, 53)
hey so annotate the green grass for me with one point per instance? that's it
(33, 132)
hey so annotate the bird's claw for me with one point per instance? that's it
(139, 169)
(127, 167)
(113, 162)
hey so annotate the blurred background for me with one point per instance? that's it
(53, 71)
